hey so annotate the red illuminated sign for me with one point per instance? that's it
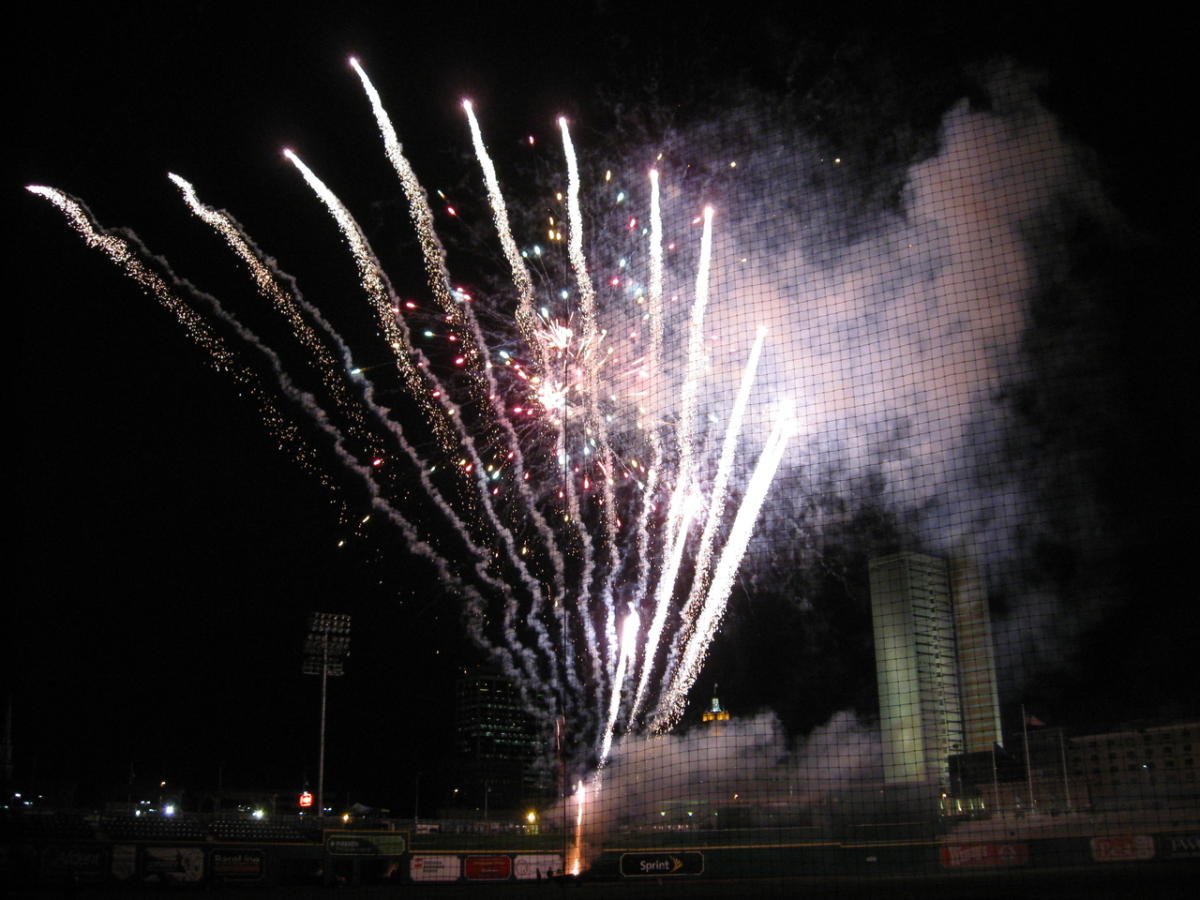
(306, 800)
(1000, 854)
(1122, 847)
(488, 868)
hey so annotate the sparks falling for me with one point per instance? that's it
(543, 503)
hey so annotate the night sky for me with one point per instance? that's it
(168, 552)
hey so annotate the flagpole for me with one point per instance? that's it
(1028, 768)
(1062, 749)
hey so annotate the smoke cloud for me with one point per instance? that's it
(740, 772)
(899, 325)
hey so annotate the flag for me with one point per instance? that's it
(1034, 722)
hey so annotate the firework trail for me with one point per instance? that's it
(594, 422)
(289, 302)
(652, 365)
(627, 656)
(438, 278)
(716, 508)
(538, 561)
(684, 500)
(379, 289)
(670, 705)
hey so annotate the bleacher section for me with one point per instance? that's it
(242, 831)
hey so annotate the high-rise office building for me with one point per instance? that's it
(976, 658)
(934, 665)
(496, 739)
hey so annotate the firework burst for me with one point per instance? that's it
(551, 484)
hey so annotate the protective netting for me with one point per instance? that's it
(773, 492)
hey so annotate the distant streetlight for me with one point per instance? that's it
(325, 649)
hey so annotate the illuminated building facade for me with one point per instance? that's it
(715, 713)
(976, 659)
(934, 664)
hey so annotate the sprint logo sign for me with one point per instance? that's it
(655, 865)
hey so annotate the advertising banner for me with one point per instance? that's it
(124, 861)
(435, 868)
(1122, 848)
(173, 865)
(653, 865)
(74, 862)
(366, 843)
(487, 868)
(997, 854)
(1181, 846)
(237, 865)
(531, 866)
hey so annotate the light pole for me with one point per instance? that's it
(417, 804)
(325, 650)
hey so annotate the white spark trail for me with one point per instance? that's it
(671, 702)
(125, 257)
(651, 368)
(520, 612)
(718, 494)
(662, 603)
(438, 277)
(627, 656)
(575, 858)
(266, 277)
(527, 319)
(595, 420)
(288, 303)
(373, 281)
(128, 253)
(696, 360)
(678, 518)
(380, 292)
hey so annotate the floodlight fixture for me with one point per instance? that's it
(326, 647)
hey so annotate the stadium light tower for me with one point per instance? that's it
(325, 650)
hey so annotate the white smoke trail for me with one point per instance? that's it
(119, 251)
(287, 302)
(438, 278)
(481, 551)
(380, 292)
(130, 258)
(594, 420)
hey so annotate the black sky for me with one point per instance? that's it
(168, 553)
